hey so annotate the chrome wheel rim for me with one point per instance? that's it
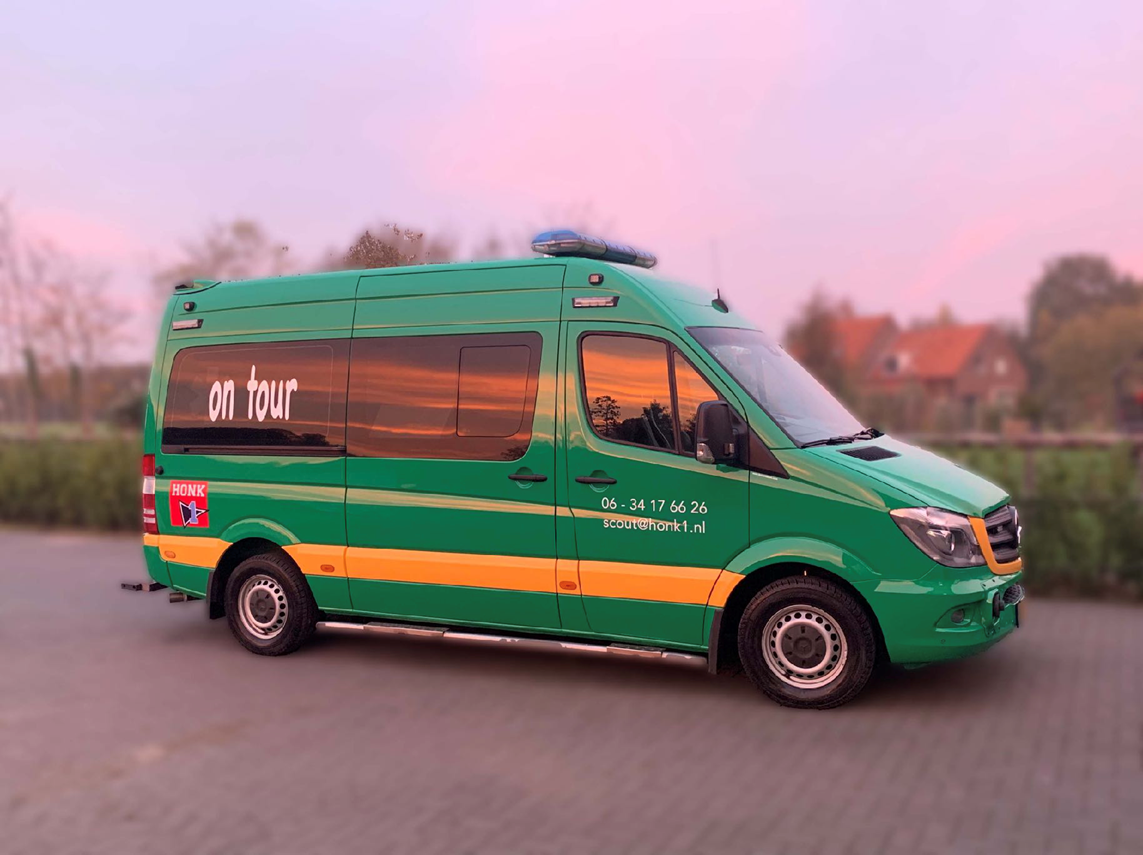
(262, 607)
(804, 647)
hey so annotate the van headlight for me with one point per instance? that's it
(945, 537)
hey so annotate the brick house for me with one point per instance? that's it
(860, 341)
(945, 377)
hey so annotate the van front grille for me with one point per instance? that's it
(1003, 527)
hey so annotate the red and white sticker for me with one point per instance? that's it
(188, 504)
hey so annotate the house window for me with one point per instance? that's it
(1004, 399)
(896, 363)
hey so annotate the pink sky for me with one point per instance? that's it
(903, 155)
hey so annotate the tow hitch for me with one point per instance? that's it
(145, 587)
(1013, 595)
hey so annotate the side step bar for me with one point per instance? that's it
(523, 643)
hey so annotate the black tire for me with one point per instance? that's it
(838, 645)
(277, 592)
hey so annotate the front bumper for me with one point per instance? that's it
(943, 616)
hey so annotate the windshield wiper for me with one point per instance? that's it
(832, 440)
(864, 433)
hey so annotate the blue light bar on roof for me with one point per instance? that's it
(567, 242)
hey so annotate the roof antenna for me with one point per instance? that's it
(717, 302)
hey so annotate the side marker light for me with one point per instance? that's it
(595, 302)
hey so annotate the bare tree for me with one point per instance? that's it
(240, 249)
(17, 320)
(76, 317)
(394, 246)
(491, 248)
(56, 317)
(812, 337)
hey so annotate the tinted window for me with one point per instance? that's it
(627, 389)
(691, 390)
(467, 397)
(250, 397)
(493, 390)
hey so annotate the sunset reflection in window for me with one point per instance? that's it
(628, 389)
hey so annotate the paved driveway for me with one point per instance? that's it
(131, 725)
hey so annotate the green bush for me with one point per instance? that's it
(71, 484)
(1083, 518)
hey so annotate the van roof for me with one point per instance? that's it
(688, 304)
(333, 275)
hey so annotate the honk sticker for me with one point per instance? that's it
(188, 504)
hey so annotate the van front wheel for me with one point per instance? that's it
(269, 605)
(805, 642)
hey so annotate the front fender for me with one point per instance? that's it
(801, 550)
(773, 551)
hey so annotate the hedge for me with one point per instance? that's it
(1082, 520)
(1083, 526)
(92, 485)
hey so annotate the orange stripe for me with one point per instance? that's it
(194, 551)
(660, 582)
(567, 575)
(725, 583)
(318, 559)
(981, 532)
(653, 582)
(507, 572)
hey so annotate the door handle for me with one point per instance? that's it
(591, 479)
(522, 476)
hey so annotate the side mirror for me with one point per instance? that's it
(716, 440)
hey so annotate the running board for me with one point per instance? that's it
(521, 642)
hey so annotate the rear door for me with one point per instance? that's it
(450, 502)
(252, 430)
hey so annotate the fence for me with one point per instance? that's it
(1032, 446)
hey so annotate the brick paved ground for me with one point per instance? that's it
(128, 725)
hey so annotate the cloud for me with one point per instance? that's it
(98, 241)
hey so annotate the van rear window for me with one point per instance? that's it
(273, 398)
(459, 397)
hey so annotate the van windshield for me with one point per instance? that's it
(784, 389)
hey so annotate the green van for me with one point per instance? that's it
(563, 451)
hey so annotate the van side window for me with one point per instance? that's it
(628, 390)
(459, 397)
(267, 398)
(690, 390)
(493, 390)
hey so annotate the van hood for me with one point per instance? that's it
(930, 479)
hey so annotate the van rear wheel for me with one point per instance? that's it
(269, 605)
(806, 642)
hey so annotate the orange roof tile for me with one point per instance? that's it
(855, 335)
(933, 353)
